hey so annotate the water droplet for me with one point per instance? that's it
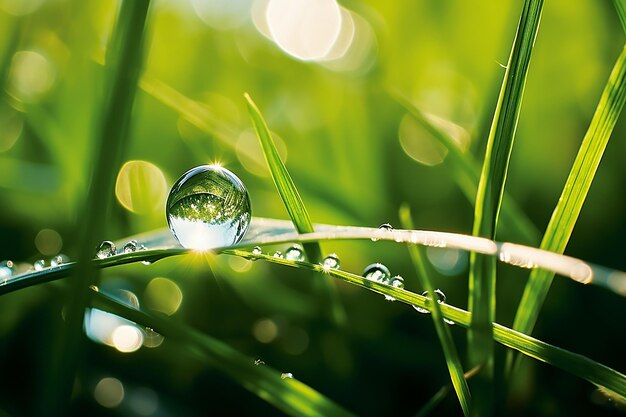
(259, 362)
(6, 271)
(396, 282)
(286, 375)
(384, 227)
(278, 254)
(257, 250)
(152, 339)
(377, 272)
(58, 260)
(295, 253)
(331, 262)
(106, 249)
(129, 247)
(39, 264)
(441, 299)
(208, 207)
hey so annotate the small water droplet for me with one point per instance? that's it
(286, 375)
(377, 272)
(385, 227)
(130, 247)
(58, 260)
(208, 207)
(441, 299)
(331, 262)
(106, 249)
(39, 264)
(295, 253)
(278, 254)
(259, 362)
(152, 339)
(396, 282)
(147, 262)
(6, 271)
(257, 250)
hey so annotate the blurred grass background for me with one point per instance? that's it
(355, 157)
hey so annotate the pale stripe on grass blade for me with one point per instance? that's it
(289, 395)
(443, 332)
(467, 175)
(489, 198)
(575, 191)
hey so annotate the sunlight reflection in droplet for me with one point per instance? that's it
(304, 29)
(127, 338)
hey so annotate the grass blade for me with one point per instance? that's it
(489, 199)
(126, 57)
(284, 184)
(620, 6)
(453, 362)
(289, 395)
(291, 199)
(467, 175)
(575, 191)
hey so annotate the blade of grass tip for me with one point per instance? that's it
(110, 138)
(488, 200)
(453, 362)
(468, 174)
(289, 395)
(575, 191)
(291, 199)
(440, 395)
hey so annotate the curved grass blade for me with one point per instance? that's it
(578, 365)
(264, 231)
(284, 184)
(482, 278)
(126, 57)
(443, 332)
(440, 395)
(289, 395)
(468, 174)
(292, 200)
(574, 193)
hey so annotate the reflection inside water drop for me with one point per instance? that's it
(208, 207)
(106, 249)
(286, 375)
(441, 299)
(331, 262)
(377, 272)
(295, 253)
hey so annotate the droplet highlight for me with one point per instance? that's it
(208, 207)
(295, 253)
(59, 260)
(39, 264)
(257, 250)
(278, 254)
(396, 282)
(384, 227)
(286, 375)
(130, 247)
(6, 271)
(106, 249)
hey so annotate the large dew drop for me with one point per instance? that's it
(208, 207)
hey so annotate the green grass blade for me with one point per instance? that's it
(467, 175)
(575, 191)
(453, 362)
(620, 6)
(110, 138)
(489, 199)
(289, 395)
(292, 201)
(284, 184)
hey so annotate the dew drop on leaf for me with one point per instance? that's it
(257, 250)
(129, 247)
(278, 254)
(208, 207)
(39, 264)
(106, 249)
(331, 262)
(295, 253)
(377, 272)
(286, 375)
(396, 282)
(384, 226)
(58, 260)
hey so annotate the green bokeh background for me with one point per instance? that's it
(340, 130)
